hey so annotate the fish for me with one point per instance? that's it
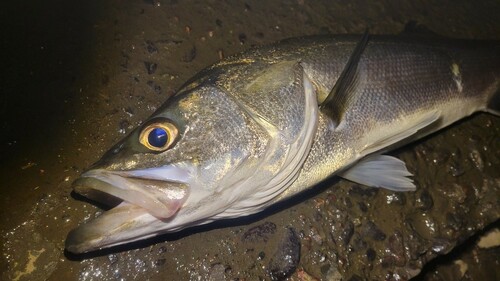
(264, 125)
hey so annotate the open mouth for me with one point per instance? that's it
(160, 198)
(136, 197)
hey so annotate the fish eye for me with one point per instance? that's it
(158, 135)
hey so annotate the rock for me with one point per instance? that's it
(150, 67)
(286, 257)
(259, 233)
(217, 273)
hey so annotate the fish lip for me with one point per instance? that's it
(119, 225)
(161, 198)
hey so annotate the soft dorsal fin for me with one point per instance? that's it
(342, 93)
(381, 171)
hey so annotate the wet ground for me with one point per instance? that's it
(77, 77)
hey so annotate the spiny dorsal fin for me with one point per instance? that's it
(342, 93)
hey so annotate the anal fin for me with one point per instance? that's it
(381, 171)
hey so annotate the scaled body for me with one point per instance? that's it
(257, 128)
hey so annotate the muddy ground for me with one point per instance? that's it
(78, 76)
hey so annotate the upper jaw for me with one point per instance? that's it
(155, 191)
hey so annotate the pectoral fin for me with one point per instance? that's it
(381, 171)
(343, 91)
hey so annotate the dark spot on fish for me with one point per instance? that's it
(150, 47)
(259, 232)
(150, 67)
(190, 55)
(285, 260)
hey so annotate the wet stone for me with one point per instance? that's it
(371, 254)
(424, 202)
(397, 198)
(365, 192)
(217, 272)
(162, 250)
(159, 262)
(150, 67)
(362, 207)
(151, 47)
(286, 257)
(476, 158)
(112, 258)
(457, 193)
(259, 233)
(355, 278)
(357, 242)
(453, 221)
(456, 169)
(396, 249)
(242, 37)
(190, 55)
(347, 232)
(155, 87)
(372, 231)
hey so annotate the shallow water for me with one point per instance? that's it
(78, 76)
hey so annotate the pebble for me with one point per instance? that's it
(371, 230)
(150, 67)
(286, 258)
(259, 233)
(217, 272)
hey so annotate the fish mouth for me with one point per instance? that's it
(137, 198)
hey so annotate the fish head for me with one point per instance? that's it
(206, 154)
